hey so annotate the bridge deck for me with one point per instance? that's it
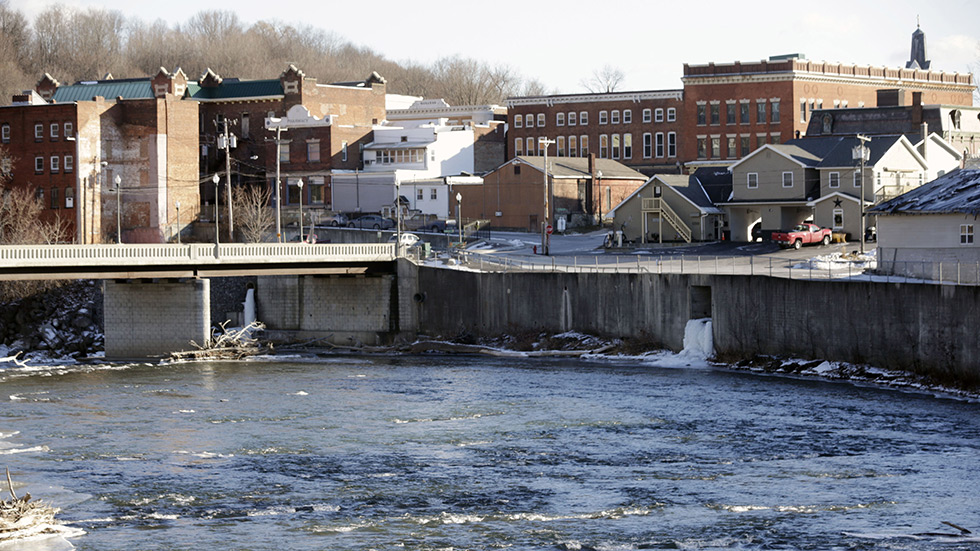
(192, 260)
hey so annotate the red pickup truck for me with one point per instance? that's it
(801, 235)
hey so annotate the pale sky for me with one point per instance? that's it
(562, 43)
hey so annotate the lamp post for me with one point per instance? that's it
(598, 191)
(543, 143)
(398, 215)
(118, 182)
(862, 152)
(299, 184)
(459, 216)
(177, 206)
(217, 212)
(279, 128)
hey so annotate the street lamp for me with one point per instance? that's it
(543, 143)
(598, 191)
(279, 128)
(299, 184)
(217, 191)
(177, 205)
(459, 216)
(118, 182)
(862, 152)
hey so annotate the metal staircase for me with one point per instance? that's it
(658, 207)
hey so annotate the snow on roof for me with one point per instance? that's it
(955, 192)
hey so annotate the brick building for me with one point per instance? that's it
(642, 130)
(71, 142)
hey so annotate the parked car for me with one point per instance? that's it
(407, 239)
(871, 234)
(802, 234)
(335, 219)
(373, 221)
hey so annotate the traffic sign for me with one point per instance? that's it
(548, 229)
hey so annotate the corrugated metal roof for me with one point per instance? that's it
(109, 89)
(235, 89)
(955, 192)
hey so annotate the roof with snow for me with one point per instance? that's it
(578, 167)
(955, 192)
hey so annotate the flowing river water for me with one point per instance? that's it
(447, 452)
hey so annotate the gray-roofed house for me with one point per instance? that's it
(671, 208)
(931, 231)
(819, 179)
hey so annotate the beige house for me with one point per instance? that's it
(668, 208)
(820, 180)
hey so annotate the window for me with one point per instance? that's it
(744, 146)
(660, 145)
(702, 116)
(730, 150)
(671, 144)
(857, 179)
(730, 113)
(615, 117)
(69, 197)
(838, 219)
(5, 133)
(541, 121)
(647, 145)
(55, 204)
(419, 194)
(39, 195)
(69, 129)
(752, 180)
(530, 147)
(283, 152)
(69, 163)
(671, 114)
(760, 112)
(313, 151)
(39, 165)
(343, 150)
(293, 191)
(518, 146)
(966, 234)
(615, 146)
(787, 179)
(774, 110)
(659, 115)
(560, 141)
(245, 125)
(559, 119)
(715, 147)
(715, 114)
(603, 117)
(583, 118)
(316, 194)
(743, 112)
(572, 146)
(802, 110)
(571, 118)
(529, 121)
(518, 121)
(603, 146)
(648, 115)
(55, 164)
(38, 131)
(774, 138)
(627, 116)
(517, 169)
(702, 147)
(434, 193)
(583, 146)
(627, 146)
(834, 179)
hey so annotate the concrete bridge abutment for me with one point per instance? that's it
(145, 318)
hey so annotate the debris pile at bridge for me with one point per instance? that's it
(22, 518)
(227, 344)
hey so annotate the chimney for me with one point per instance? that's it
(916, 107)
(925, 137)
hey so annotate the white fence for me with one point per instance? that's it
(26, 256)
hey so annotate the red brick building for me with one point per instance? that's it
(642, 130)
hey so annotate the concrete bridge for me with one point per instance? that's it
(157, 298)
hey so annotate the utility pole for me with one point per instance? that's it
(545, 238)
(229, 142)
(279, 128)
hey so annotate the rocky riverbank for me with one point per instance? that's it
(64, 322)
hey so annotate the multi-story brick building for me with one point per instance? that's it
(732, 109)
(70, 144)
(642, 130)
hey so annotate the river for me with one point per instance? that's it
(447, 452)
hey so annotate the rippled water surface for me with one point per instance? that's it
(478, 453)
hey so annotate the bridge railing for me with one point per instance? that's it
(195, 253)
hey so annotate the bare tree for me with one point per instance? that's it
(607, 79)
(252, 213)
